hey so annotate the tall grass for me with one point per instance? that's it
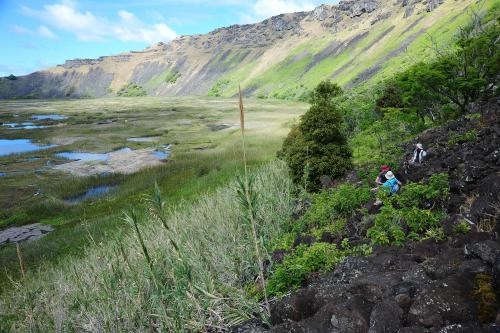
(248, 202)
(199, 257)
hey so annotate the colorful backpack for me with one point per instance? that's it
(392, 184)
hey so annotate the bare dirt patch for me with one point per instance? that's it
(125, 162)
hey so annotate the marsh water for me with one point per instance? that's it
(161, 154)
(143, 139)
(17, 146)
(49, 117)
(93, 192)
(25, 125)
(79, 156)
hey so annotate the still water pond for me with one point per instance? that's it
(49, 117)
(82, 156)
(26, 125)
(16, 146)
(93, 192)
(143, 139)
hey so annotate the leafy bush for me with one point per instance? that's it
(318, 141)
(283, 242)
(319, 257)
(455, 138)
(218, 88)
(11, 77)
(291, 273)
(435, 193)
(358, 111)
(402, 217)
(172, 77)
(336, 228)
(461, 228)
(333, 204)
(131, 89)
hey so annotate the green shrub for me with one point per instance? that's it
(436, 233)
(455, 138)
(404, 212)
(304, 260)
(463, 75)
(319, 257)
(172, 77)
(318, 141)
(462, 228)
(333, 204)
(335, 228)
(131, 89)
(218, 88)
(283, 242)
(437, 191)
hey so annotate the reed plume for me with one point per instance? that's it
(248, 201)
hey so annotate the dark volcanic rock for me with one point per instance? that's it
(358, 7)
(386, 316)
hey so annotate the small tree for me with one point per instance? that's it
(318, 142)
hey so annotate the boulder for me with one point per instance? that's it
(299, 306)
(351, 317)
(386, 316)
(486, 251)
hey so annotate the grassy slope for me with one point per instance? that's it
(288, 79)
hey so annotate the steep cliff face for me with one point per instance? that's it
(352, 42)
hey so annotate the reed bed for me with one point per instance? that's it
(179, 269)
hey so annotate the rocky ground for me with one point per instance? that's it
(423, 286)
(25, 233)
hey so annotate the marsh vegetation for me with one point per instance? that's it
(190, 159)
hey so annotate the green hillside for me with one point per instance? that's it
(368, 57)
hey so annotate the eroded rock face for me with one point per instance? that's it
(356, 8)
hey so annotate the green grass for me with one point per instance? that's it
(169, 76)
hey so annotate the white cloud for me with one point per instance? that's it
(262, 9)
(46, 32)
(21, 30)
(267, 8)
(42, 31)
(89, 27)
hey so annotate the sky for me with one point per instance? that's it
(37, 34)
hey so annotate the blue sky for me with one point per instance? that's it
(36, 34)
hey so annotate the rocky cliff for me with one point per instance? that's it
(352, 42)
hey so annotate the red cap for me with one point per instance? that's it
(385, 168)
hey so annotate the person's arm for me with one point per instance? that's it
(378, 180)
